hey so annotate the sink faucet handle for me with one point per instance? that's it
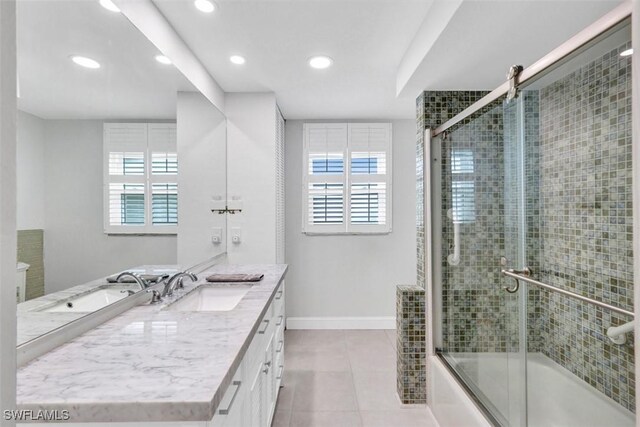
(155, 298)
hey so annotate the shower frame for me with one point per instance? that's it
(432, 201)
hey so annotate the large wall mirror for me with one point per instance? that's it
(119, 161)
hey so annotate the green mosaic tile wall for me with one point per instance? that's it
(411, 344)
(586, 233)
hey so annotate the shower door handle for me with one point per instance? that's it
(526, 272)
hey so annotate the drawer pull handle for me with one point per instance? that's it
(268, 365)
(281, 318)
(226, 411)
(266, 322)
(279, 294)
(280, 346)
(279, 377)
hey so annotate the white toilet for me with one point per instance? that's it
(21, 280)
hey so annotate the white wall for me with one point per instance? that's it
(202, 154)
(76, 249)
(7, 206)
(251, 135)
(30, 171)
(350, 276)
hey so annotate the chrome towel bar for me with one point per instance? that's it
(592, 301)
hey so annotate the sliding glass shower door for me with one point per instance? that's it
(481, 228)
(540, 188)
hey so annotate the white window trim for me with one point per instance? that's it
(148, 180)
(346, 228)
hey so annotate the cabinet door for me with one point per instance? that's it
(230, 411)
(255, 403)
(270, 373)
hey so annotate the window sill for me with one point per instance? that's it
(347, 233)
(133, 234)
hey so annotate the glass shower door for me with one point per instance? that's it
(480, 224)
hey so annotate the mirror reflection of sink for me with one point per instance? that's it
(92, 301)
(210, 299)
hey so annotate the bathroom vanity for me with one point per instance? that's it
(209, 355)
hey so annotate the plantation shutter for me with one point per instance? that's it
(140, 178)
(347, 178)
(370, 177)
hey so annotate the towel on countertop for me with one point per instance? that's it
(235, 277)
(148, 277)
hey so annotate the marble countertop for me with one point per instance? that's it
(33, 322)
(151, 364)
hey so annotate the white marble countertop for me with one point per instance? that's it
(151, 364)
(33, 322)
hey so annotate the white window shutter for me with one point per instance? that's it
(280, 188)
(325, 158)
(369, 177)
(347, 178)
(140, 178)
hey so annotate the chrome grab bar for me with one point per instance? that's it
(520, 275)
(524, 272)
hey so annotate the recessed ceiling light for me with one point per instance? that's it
(627, 52)
(163, 59)
(320, 62)
(237, 59)
(205, 6)
(109, 5)
(85, 62)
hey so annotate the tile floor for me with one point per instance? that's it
(343, 378)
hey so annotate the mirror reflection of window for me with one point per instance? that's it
(463, 202)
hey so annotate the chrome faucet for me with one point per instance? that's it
(176, 282)
(139, 280)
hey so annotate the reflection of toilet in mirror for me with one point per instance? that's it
(21, 280)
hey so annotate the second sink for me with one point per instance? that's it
(211, 299)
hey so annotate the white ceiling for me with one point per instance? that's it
(484, 38)
(470, 46)
(365, 38)
(380, 47)
(129, 85)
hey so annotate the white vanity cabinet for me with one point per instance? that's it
(251, 398)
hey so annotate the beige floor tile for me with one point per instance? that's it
(325, 340)
(325, 419)
(281, 419)
(285, 397)
(317, 361)
(391, 334)
(376, 391)
(372, 358)
(413, 417)
(368, 338)
(325, 391)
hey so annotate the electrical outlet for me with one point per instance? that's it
(216, 235)
(236, 235)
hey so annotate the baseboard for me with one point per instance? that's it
(341, 322)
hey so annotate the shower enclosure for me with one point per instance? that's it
(531, 238)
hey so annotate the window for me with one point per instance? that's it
(140, 178)
(347, 178)
(463, 187)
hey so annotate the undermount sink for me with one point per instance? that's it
(211, 299)
(90, 302)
